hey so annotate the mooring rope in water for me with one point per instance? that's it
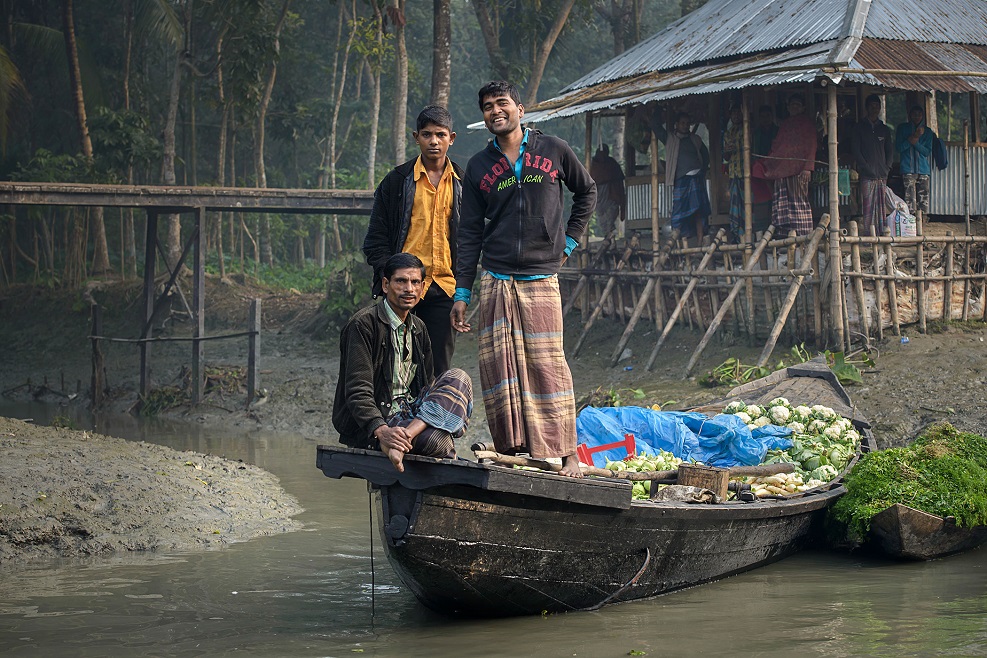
(373, 584)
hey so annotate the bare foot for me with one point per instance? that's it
(570, 467)
(397, 458)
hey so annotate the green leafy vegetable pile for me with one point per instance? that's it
(944, 472)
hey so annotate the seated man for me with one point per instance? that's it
(387, 396)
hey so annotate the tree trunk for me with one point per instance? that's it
(173, 245)
(267, 254)
(375, 75)
(101, 258)
(491, 39)
(689, 6)
(545, 49)
(399, 122)
(441, 53)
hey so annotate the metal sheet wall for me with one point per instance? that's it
(946, 187)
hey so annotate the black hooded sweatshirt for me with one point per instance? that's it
(518, 224)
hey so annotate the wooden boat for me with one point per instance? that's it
(906, 533)
(478, 539)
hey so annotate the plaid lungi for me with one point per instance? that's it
(873, 201)
(689, 197)
(790, 208)
(526, 382)
(445, 406)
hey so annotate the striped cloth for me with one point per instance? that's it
(689, 197)
(737, 208)
(873, 201)
(790, 208)
(527, 386)
(445, 406)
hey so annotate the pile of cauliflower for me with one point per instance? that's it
(822, 440)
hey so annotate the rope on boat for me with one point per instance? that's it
(632, 581)
(373, 584)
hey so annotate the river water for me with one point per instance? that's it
(314, 593)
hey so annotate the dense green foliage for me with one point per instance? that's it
(944, 472)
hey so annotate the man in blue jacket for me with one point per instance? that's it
(913, 140)
(512, 213)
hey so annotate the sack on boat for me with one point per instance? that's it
(723, 440)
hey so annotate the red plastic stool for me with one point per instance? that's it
(584, 452)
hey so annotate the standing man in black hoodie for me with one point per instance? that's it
(416, 210)
(512, 213)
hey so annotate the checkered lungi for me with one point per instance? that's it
(790, 207)
(527, 386)
(445, 406)
(689, 198)
(737, 208)
(873, 201)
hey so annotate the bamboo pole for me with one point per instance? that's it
(858, 285)
(947, 285)
(966, 174)
(655, 228)
(835, 256)
(642, 302)
(685, 295)
(601, 302)
(583, 278)
(752, 261)
(920, 285)
(748, 206)
(878, 286)
(786, 307)
(892, 285)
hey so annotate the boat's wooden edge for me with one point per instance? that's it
(904, 532)
(423, 473)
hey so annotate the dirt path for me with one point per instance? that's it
(100, 502)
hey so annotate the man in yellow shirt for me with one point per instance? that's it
(416, 210)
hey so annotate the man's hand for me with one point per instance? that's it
(393, 438)
(457, 317)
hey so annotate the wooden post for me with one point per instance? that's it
(642, 301)
(835, 254)
(786, 307)
(858, 284)
(947, 285)
(150, 254)
(752, 260)
(748, 207)
(584, 277)
(892, 287)
(878, 285)
(198, 304)
(253, 350)
(588, 155)
(710, 250)
(919, 284)
(966, 174)
(602, 299)
(97, 383)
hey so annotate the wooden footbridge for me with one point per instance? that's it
(158, 200)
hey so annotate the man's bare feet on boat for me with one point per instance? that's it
(397, 458)
(570, 467)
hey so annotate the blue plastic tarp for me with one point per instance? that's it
(723, 440)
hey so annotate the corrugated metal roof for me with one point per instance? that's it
(912, 56)
(731, 28)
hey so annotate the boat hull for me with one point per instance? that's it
(909, 534)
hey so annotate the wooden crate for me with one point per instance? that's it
(708, 477)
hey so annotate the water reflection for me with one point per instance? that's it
(312, 593)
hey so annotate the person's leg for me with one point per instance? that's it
(434, 311)
(922, 193)
(498, 362)
(909, 181)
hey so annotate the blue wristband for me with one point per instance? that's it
(463, 295)
(570, 244)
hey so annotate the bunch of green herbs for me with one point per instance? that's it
(944, 472)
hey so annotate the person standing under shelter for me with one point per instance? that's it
(610, 192)
(733, 153)
(873, 152)
(686, 164)
(416, 210)
(790, 164)
(512, 214)
(387, 396)
(913, 139)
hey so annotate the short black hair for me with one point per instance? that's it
(873, 98)
(917, 107)
(435, 115)
(797, 97)
(402, 261)
(766, 108)
(498, 88)
(682, 115)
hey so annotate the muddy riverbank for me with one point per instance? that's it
(74, 493)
